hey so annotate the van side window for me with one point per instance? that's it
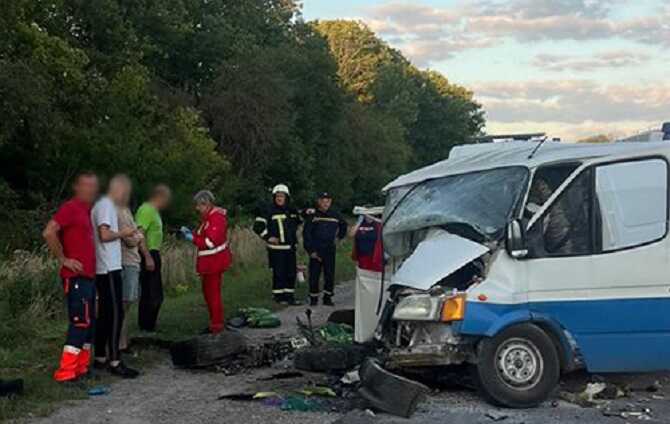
(566, 227)
(632, 198)
(545, 181)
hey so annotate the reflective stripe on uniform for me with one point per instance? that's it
(264, 233)
(209, 243)
(259, 219)
(325, 219)
(280, 225)
(327, 293)
(71, 349)
(214, 251)
(315, 294)
(279, 246)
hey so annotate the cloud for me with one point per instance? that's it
(611, 59)
(428, 34)
(574, 103)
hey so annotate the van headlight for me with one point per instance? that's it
(419, 307)
(424, 307)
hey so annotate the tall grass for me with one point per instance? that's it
(33, 316)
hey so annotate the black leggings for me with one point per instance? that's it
(110, 315)
(151, 294)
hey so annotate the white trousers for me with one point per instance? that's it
(368, 286)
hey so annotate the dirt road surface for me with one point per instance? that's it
(166, 395)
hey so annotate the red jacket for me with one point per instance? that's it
(211, 239)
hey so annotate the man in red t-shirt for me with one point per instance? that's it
(69, 236)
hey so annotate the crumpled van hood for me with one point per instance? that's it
(436, 257)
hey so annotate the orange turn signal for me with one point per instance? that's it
(453, 309)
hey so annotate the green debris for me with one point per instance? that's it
(318, 391)
(332, 333)
(260, 317)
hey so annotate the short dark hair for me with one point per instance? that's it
(84, 174)
(161, 190)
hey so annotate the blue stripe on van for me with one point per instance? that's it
(617, 335)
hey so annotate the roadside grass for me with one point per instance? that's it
(33, 319)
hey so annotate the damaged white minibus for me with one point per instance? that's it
(528, 260)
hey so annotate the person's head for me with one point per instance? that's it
(280, 194)
(85, 186)
(324, 201)
(160, 196)
(204, 201)
(119, 189)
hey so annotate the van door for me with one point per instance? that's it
(599, 265)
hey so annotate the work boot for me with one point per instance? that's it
(84, 360)
(67, 371)
(121, 370)
(328, 300)
(313, 301)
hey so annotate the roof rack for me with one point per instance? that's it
(510, 137)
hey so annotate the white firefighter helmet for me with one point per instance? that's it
(280, 188)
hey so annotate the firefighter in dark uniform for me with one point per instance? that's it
(322, 230)
(278, 227)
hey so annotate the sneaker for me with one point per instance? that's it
(328, 301)
(121, 370)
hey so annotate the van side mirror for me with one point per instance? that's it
(515, 240)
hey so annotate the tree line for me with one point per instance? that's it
(229, 95)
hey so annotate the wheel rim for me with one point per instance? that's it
(519, 363)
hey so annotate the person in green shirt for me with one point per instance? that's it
(148, 219)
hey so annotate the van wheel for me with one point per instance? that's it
(518, 368)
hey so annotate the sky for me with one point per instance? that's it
(571, 68)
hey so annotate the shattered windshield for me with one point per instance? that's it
(482, 201)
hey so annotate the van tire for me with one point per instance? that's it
(532, 371)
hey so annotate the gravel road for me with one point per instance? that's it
(166, 395)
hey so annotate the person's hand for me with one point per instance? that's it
(273, 240)
(127, 232)
(149, 263)
(73, 265)
(187, 233)
(315, 256)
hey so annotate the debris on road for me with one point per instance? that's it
(207, 350)
(282, 376)
(389, 392)
(98, 391)
(259, 318)
(343, 316)
(595, 394)
(352, 377)
(496, 416)
(337, 358)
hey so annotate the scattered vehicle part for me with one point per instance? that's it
(352, 377)
(389, 392)
(343, 316)
(337, 358)
(207, 350)
(282, 376)
(496, 416)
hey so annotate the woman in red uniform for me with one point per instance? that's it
(214, 256)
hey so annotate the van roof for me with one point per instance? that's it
(480, 157)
